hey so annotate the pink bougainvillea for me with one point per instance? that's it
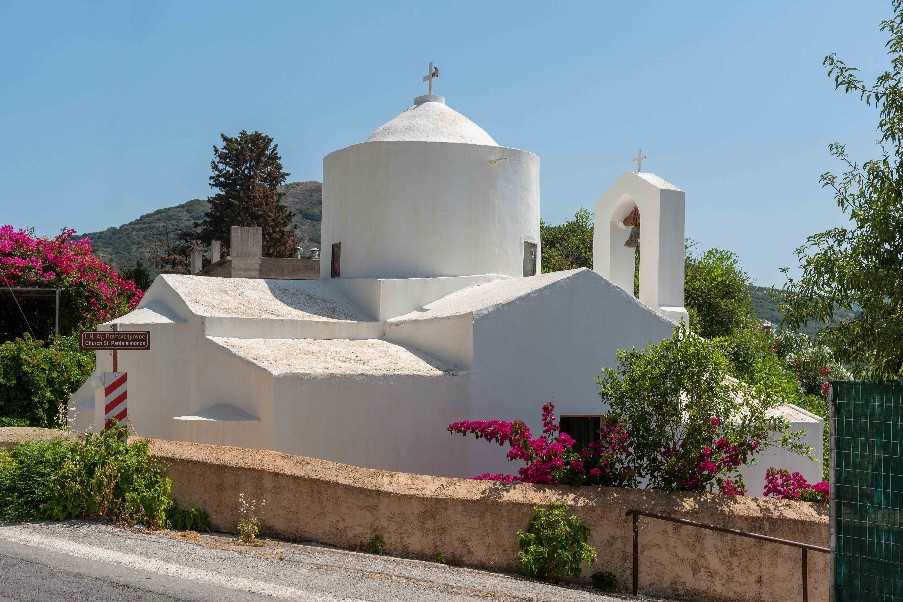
(550, 458)
(709, 461)
(95, 292)
(781, 483)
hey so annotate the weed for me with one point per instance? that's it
(248, 521)
(191, 519)
(376, 545)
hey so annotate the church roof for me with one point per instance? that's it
(485, 296)
(332, 357)
(431, 120)
(252, 298)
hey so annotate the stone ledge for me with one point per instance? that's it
(12, 436)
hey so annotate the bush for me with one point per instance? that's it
(812, 364)
(691, 426)
(604, 581)
(36, 379)
(717, 293)
(191, 519)
(102, 476)
(6, 421)
(94, 292)
(554, 545)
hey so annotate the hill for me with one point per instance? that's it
(765, 305)
(146, 237)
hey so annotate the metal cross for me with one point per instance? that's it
(639, 160)
(432, 74)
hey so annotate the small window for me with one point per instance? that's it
(583, 429)
(529, 258)
(336, 266)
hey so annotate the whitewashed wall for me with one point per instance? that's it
(423, 209)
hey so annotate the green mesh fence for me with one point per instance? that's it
(867, 483)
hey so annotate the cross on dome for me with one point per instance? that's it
(431, 74)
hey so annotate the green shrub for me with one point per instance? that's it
(554, 545)
(6, 421)
(102, 475)
(36, 379)
(604, 581)
(690, 426)
(376, 545)
(716, 293)
(190, 519)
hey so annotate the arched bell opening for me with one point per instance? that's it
(624, 246)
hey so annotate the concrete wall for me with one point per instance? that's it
(391, 422)
(423, 209)
(385, 298)
(276, 268)
(474, 523)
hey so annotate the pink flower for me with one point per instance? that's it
(708, 466)
(730, 487)
(715, 421)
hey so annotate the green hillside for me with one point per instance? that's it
(765, 304)
(146, 237)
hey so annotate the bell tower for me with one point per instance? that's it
(643, 210)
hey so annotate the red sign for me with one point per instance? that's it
(122, 340)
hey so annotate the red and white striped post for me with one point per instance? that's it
(115, 391)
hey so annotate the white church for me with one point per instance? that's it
(430, 308)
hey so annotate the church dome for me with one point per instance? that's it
(431, 120)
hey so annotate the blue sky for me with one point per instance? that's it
(108, 110)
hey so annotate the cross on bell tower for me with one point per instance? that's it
(639, 160)
(431, 74)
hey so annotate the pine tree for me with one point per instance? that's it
(247, 172)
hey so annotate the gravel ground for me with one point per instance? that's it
(93, 561)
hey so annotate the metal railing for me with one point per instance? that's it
(805, 547)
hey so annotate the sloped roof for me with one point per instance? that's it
(657, 181)
(153, 313)
(331, 357)
(483, 297)
(259, 298)
(431, 121)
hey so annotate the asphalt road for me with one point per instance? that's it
(93, 561)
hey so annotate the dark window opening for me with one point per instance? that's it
(336, 265)
(583, 429)
(529, 258)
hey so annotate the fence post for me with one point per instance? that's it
(805, 575)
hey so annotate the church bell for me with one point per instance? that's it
(633, 241)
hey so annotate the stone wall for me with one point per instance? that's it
(276, 268)
(474, 523)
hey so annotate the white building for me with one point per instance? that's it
(430, 309)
